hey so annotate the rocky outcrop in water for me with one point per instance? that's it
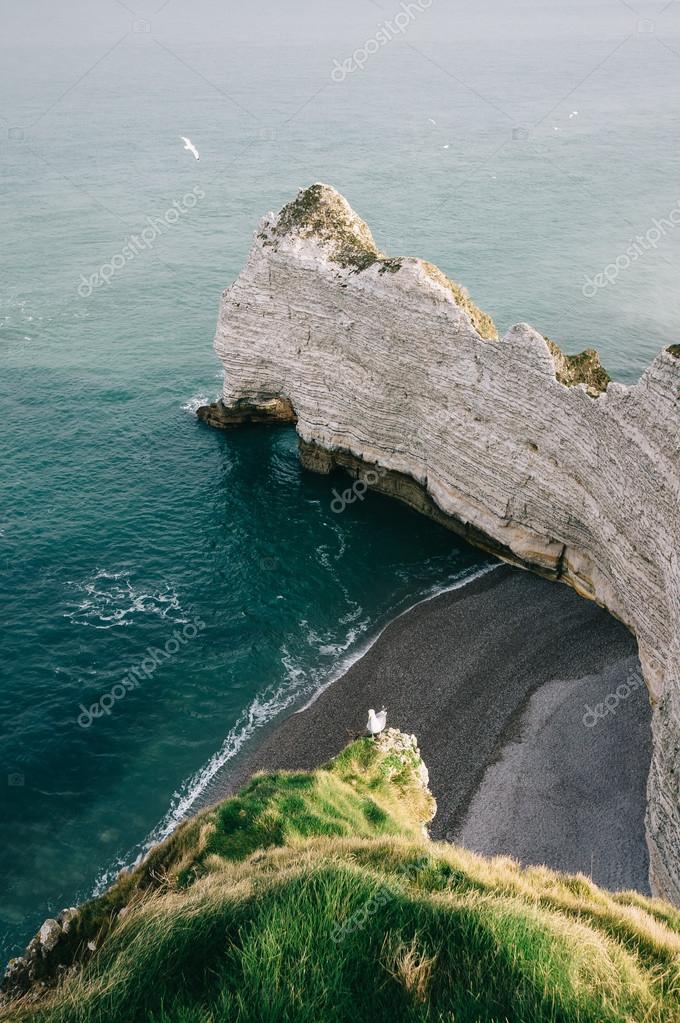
(389, 368)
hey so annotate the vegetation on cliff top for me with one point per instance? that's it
(316, 897)
(584, 368)
(321, 212)
(481, 321)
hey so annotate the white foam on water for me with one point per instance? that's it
(263, 709)
(329, 649)
(456, 584)
(111, 599)
(193, 404)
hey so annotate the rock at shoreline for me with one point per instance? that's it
(276, 410)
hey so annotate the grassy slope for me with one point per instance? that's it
(316, 897)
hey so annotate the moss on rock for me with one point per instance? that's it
(391, 266)
(584, 368)
(481, 321)
(320, 211)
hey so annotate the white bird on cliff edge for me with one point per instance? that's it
(188, 145)
(376, 722)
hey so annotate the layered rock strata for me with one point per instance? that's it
(386, 365)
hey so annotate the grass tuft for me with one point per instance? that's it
(584, 368)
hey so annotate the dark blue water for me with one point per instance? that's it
(125, 524)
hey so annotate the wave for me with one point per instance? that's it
(112, 600)
(456, 583)
(193, 404)
(263, 709)
(13, 308)
(298, 683)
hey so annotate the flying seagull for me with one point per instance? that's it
(376, 722)
(188, 145)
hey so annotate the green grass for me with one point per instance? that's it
(316, 898)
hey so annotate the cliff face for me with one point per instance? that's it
(525, 451)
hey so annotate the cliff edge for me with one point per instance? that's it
(317, 895)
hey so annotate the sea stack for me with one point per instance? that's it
(383, 363)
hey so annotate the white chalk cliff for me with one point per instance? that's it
(529, 453)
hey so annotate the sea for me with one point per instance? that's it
(169, 591)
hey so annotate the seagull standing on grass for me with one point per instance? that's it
(188, 145)
(376, 722)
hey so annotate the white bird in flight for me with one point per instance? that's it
(188, 145)
(376, 722)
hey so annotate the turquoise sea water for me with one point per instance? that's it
(122, 519)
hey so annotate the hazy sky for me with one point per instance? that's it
(29, 23)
